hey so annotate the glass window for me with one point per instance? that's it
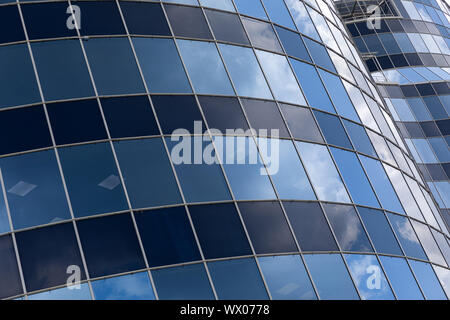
(92, 179)
(381, 184)
(301, 123)
(428, 242)
(302, 19)
(17, 80)
(4, 220)
(129, 116)
(237, 279)
(26, 128)
(64, 293)
(444, 277)
(359, 138)
(11, 284)
(312, 86)
(245, 72)
(188, 22)
(145, 18)
(379, 231)
(361, 106)
(251, 8)
(381, 147)
(319, 54)
(267, 227)
(129, 287)
(347, 228)
(223, 5)
(185, 282)
(310, 226)
(226, 27)
(369, 277)
(167, 236)
(330, 277)
(57, 62)
(11, 24)
(112, 239)
(286, 278)
(76, 121)
(147, 173)
(113, 66)
(443, 244)
(402, 281)
(332, 129)
(34, 189)
(427, 280)
(200, 56)
(223, 113)
(91, 25)
(322, 172)
(219, 230)
(292, 44)
(161, 65)
(355, 178)
(278, 13)
(46, 253)
(419, 109)
(261, 34)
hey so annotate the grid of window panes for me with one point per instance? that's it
(352, 10)
(87, 180)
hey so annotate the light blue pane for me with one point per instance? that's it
(278, 13)
(218, 4)
(286, 278)
(444, 190)
(440, 148)
(312, 86)
(113, 66)
(419, 109)
(34, 189)
(17, 80)
(66, 293)
(92, 179)
(404, 42)
(369, 277)
(427, 280)
(402, 281)
(330, 276)
(280, 77)
(446, 102)
(237, 279)
(322, 172)
(129, 287)
(354, 178)
(359, 138)
(444, 277)
(62, 69)
(188, 282)
(244, 168)
(161, 65)
(147, 173)
(192, 2)
(402, 109)
(245, 72)
(319, 54)
(339, 96)
(200, 56)
(411, 75)
(424, 150)
(381, 184)
(251, 7)
(302, 19)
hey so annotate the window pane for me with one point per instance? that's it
(34, 189)
(286, 278)
(427, 280)
(223, 113)
(10, 24)
(359, 138)
(302, 19)
(319, 54)
(91, 25)
(4, 220)
(332, 129)
(64, 293)
(145, 18)
(444, 277)
(188, 22)
(223, 5)
(292, 44)
(9, 273)
(264, 115)
(301, 123)
(237, 279)
(147, 173)
(261, 34)
(278, 13)
(428, 242)
(129, 287)
(219, 230)
(226, 27)
(330, 277)
(251, 7)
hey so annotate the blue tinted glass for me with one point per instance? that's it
(9, 273)
(267, 227)
(427, 280)
(245, 71)
(185, 282)
(34, 189)
(113, 66)
(278, 13)
(330, 276)
(147, 173)
(312, 86)
(161, 65)
(332, 130)
(288, 174)
(359, 138)
(401, 278)
(322, 172)
(167, 236)
(286, 278)
(129, 287)
(223, 4)
(65, 293)
(444, 277)
(381, 184)
(302, 19)
(145, 18)
(10, 23)
(251, 7)
(319, 54)
(219, 230)
(91, 25)
(292, 44)
(223, 113)
(226, 27)
(237, 279)
(355, 178)
(92, 179)
(57, 62)
(347, 227)
(200, 56)
(419, 109)
(369, 277)
(4, 221)
(379, 231)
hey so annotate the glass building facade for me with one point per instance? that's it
(91, 93)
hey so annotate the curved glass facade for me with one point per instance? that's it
(98, 101)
